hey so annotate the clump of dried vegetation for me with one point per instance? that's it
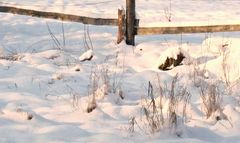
(165, 108)
(211, 100)
(105, 81)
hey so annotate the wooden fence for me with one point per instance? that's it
(132, 30)
(128, 25)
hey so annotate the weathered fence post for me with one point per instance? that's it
(121, 25)
(130, 22)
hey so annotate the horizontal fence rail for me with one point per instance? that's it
(187, 29)
(59, 16)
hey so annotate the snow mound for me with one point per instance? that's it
(87, 56)
(226, 54)
(171, 57)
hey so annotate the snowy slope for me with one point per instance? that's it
(45, 90)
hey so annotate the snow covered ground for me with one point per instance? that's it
(46, 91)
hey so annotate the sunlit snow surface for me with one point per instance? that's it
(50, 83)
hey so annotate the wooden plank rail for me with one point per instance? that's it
(59, 16)
(187, 29)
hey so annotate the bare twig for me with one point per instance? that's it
(63, 36)
(55, 40)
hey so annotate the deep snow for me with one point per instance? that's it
(53, 87)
